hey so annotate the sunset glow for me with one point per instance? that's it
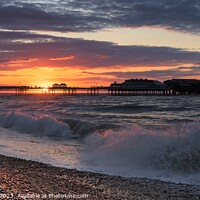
(89, 52)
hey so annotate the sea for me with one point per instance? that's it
(155, 137)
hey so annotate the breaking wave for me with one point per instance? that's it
(46, 125)
(41, 126)
(176, 150)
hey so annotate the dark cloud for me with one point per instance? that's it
(179, 72)
(40, 50)
(30, 17)
(89, 15)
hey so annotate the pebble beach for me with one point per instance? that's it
(24, 179)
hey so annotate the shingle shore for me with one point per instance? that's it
(22, 179)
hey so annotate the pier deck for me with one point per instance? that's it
(98, 90)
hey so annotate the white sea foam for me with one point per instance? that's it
(41, 126)
(170, 155)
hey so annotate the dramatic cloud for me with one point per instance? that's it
(32, 17)
(40, 50)
(89, 15)
(179, 72)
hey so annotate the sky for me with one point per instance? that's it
(97, 42)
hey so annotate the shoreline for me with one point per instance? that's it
(26, 179)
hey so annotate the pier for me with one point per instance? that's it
(127, 88)
(16, 89)
(117, 91)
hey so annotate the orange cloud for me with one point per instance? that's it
(104, 57)
(63, 58)
(24, 60)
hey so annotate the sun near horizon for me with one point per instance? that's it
(90, 51)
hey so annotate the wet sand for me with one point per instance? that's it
(22, 179)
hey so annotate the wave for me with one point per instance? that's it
(46, 125)
(41, 126)
(175, 150)
(84, 128)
